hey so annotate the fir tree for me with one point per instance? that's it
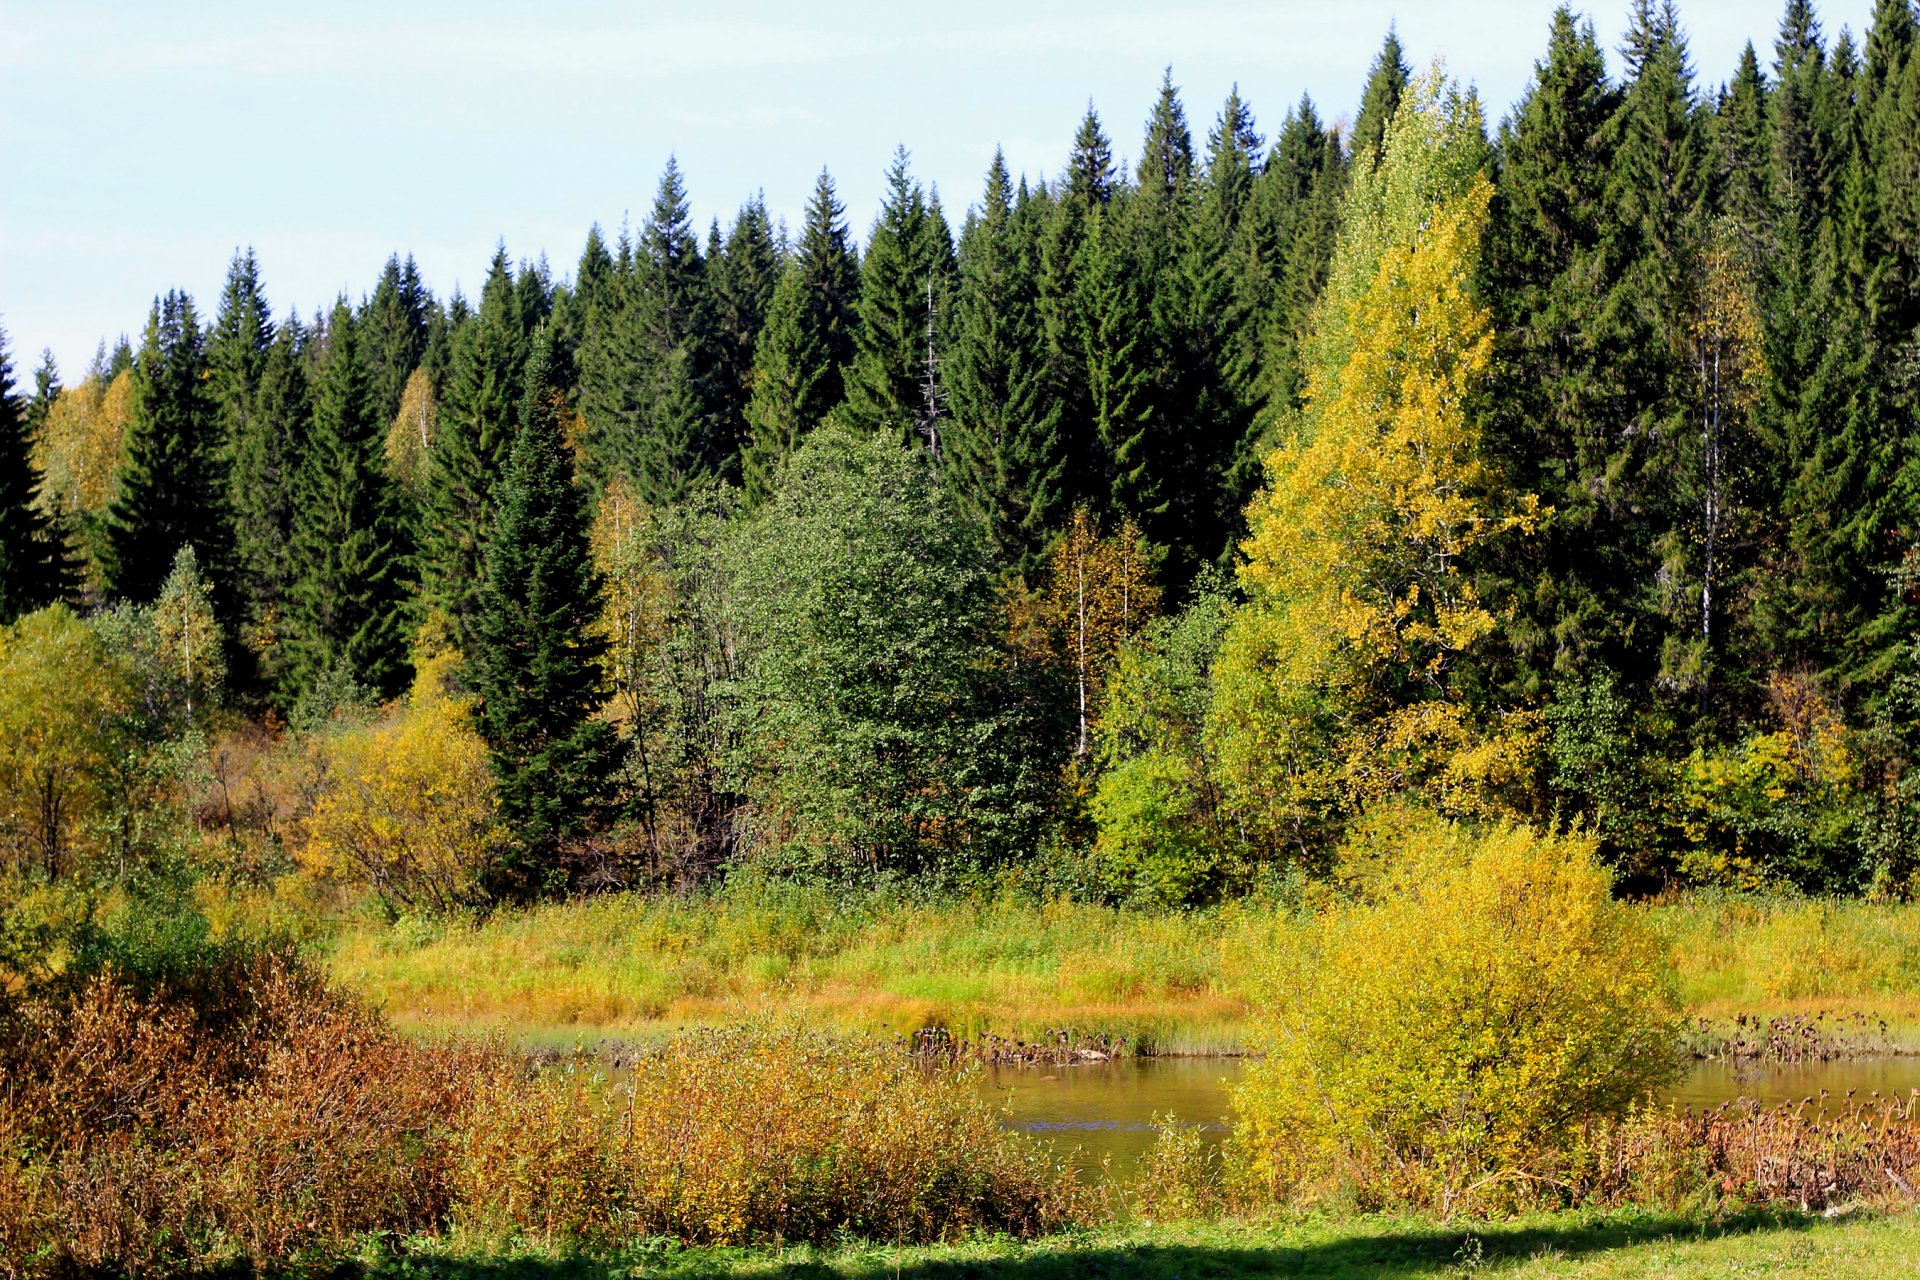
(32, 561)
(346, 623)
(171, 486)
(1065, 299)
(536, 661)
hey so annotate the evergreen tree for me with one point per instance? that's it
(395, 324)
(649, 366)
(1386, 84)
(536, 659)
(33, 564)
(1558, 422)
(746, 270)
(266, 465)
(1005, 451)
(346, 623)
(1066, 297)
(473, 432)
(171, 487)
(893, 380)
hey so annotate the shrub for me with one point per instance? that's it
(408, 806)
(742, 1134)
(1443, 1037)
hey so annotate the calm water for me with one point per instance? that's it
(1108, 1109)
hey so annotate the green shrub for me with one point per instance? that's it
(1443, 1037)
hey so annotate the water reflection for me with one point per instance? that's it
(1107, 1109)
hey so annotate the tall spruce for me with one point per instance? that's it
(1066, 296)
(804, 346)
(395, 322)
(905, 276)
(171, 485)
(536, 661)
(473, 433)
(32, 560)
(745, 269)
(1559, 420)
(267, 455)
(1387, 83)
(1005, 450)
(346, 623)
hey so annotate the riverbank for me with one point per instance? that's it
(628, 967)
(1604, 1247)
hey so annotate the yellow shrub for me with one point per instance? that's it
(408, 806)
(1442, 1037)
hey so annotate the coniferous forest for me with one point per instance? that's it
(1133, 533)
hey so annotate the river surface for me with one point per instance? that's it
(1106, 1110)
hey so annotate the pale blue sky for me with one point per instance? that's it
(145, 141)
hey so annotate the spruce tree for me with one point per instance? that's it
(1005, 452)
(171, 486)
(536, 658)
(395, 324)
(32, 561)
(1386, 84)
(893, 381)
(346, 618)
(472, 435)
(649, 367)
(1065, 297)
(746, 270)
(267, 455)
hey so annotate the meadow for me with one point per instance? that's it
(632, 967)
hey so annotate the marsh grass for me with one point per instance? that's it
(633, 969)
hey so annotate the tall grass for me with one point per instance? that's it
(633, 967)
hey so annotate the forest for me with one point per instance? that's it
(1136, 538)
(1385, 521)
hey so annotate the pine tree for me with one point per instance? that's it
(32, 561)
(1005, 452)
(473, 432)
(536, 661)
(893, 380)
(171, 486)
(266, 465)
(346, 623)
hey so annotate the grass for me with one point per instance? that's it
(1612, 1246)
(629, 967)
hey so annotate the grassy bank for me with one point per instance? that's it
(630, 967)
(1612, 1246)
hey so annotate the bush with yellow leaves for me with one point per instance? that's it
(1448, 1035)
(407, 806)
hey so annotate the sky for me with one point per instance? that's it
(144, 143)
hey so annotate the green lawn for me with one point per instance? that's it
(1616, 1245)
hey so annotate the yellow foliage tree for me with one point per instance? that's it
(407, 806)
(78, 451)
(1333, 686)
(1099, 591)
(410, 435)
(64, 705)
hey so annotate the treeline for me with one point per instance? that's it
(1143, 535)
